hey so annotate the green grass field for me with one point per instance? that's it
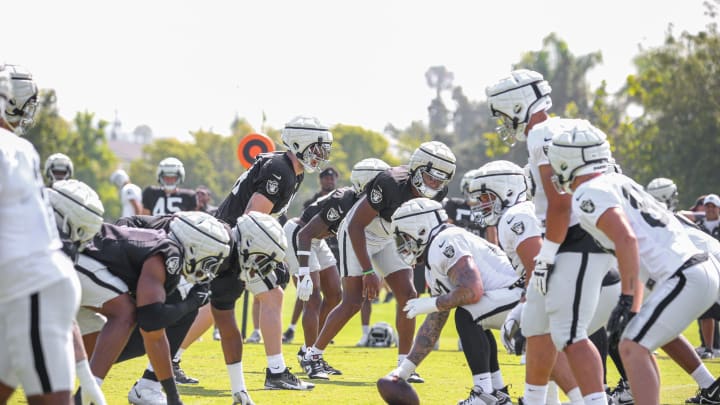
(447, 376)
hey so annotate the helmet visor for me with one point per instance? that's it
(509, 129)
(317, 155)
(407, 247)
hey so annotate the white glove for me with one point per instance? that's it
(544, 263)
(305, 284)
(90, 390)
(510, 327)
(417, 306)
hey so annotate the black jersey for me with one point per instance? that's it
(157, 202)
(315, 196)
(332, 208)
(459, 212)
(390, 189)
(124, 251)
(273, 176)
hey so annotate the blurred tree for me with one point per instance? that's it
(676, 136)
(83, 141)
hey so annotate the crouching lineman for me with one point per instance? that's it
(465, 272)
(123, 262)
(320, 220)
(651, 247)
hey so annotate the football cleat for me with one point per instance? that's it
(288, 336)
(254, 337)
(503, 396)
(285, 381)
(314, 367)
(479, 397)
(363, 342)
(415, 378)
(147, 394)
(181, 377)
(709, 395)
(242, 398)
(330, 370)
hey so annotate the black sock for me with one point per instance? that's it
(149, 375)
(600, 340)
(494, 364)
(474, 342)
(173, 398)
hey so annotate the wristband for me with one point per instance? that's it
(303, 271)
(549, 249)
(303, 253)
(368, 271)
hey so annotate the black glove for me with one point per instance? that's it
(282, 274)
(199, 294)
(619, 318)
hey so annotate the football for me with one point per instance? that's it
(396, 391)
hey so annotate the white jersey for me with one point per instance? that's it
(129, 192)
(453, 243)
(663, 244)
(538, 140)
(700, 239)
(27, 225)
(516, 225)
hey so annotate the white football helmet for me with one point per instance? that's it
(513, 99)
(205, 243)
(581, 149)
(665, 191)
(78, 210)
(465, 182)
(412, 225)
(170, 167)
(20, 108)
(119, 178)
(309, 140)
(497, 186)
(58, 167)
(261, 243)
(364, 171)
(431, 162)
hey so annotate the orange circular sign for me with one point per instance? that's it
(252, 145)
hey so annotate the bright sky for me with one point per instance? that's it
(183, 65)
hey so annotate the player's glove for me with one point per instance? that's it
(619, 318)
(199, 294)
(305, 284)
(404, 370)
(544, 263)
(423, 305)
(89, 391)
(282, 274)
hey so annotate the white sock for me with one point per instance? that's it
(401, 357)
(365, 329)
(178, 354)
(303, 348)
(256, 331)
(313, 351)
(497, 380)
(292, 327)
(553, 394)
(237, 378)
(484, 381)
(596, 398)
(702, 376)
(535, 394)
(150, 367)
(575, 396)
(276, 363)
(99, 381)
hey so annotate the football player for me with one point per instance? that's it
(652, 248)
(268, 187)
(168, 198)
(553, 319)
(367, 248)
(459, 209)
(500, 191)
(130, 194)
(665, 191)
(311, 260)
(465, 272)
(39, 293)
(58, 166)
(122, 263)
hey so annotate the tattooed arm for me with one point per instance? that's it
(465, 275)
(427, 335)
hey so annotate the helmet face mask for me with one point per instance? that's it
(261, 243)
(316, 156)
(309, 140)
(170, 173)
(412, 225)
(205, 244)
(497, 186)
(78, 211)
(432, 166)
(58, 167)
(514, 99)
(20, 108)
(488, 208)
